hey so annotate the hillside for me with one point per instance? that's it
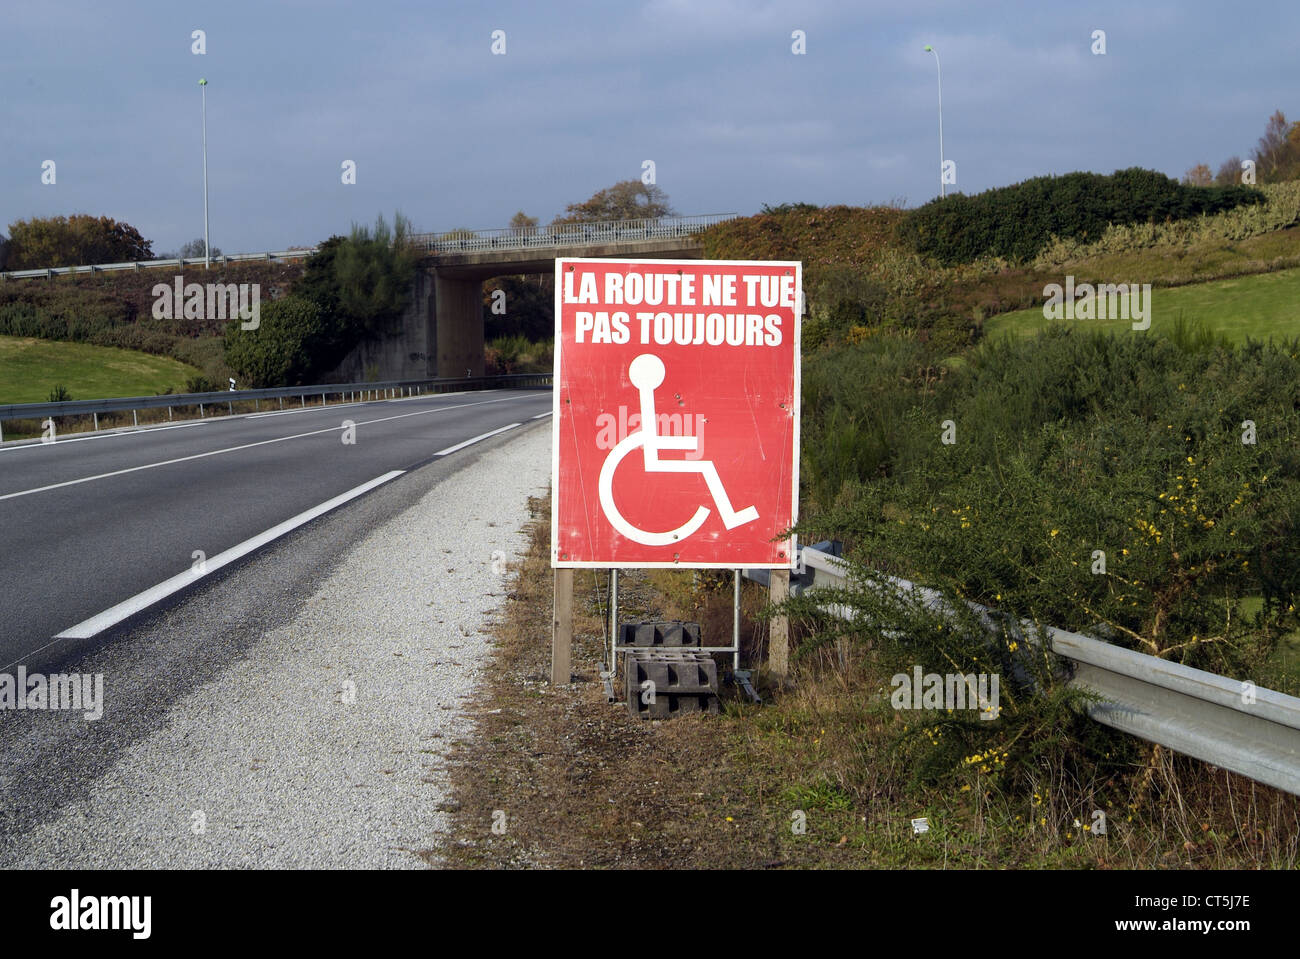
(1259, 306)
(116, 310)
(31, 368)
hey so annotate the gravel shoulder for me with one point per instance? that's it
(323, 744)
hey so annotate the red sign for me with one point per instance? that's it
(676, 413)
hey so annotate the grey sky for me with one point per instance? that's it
(453, 135)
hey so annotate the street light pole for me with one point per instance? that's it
(943, 190)
(207, 257)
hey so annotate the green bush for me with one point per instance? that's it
(279, 351)
(200, 384)
(843, 297)
(1098, 484)
(360, 284)
(1017, 222)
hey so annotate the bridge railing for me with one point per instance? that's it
(612, 231)
(567, 234)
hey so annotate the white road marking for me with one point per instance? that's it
(111, 617)
(471, 442)
(105, 435)
(540, 415)
(245, 446)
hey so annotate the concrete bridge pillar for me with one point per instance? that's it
(458, 322)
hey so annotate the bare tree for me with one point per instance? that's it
(1229, 173)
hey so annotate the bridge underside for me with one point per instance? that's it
(442, 329)
(455, 315)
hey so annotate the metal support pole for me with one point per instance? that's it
(169, 414)
(135, 419)
(281, 399)
(613, 620)
(200, 411)
(96, 415)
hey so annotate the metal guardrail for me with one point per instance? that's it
(1200, 714)
(154, 264)
(394, 388)
(615, 231)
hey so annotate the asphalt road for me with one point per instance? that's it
(89, 523)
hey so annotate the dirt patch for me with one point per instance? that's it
(577, 781)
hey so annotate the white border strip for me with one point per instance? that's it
(471, 442)
(111, 617)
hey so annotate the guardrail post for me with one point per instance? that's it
(135, 419)
(200, 411)
(281, 399)
(96, 416)
(778, 642)
(562, 628)
(169, 414)
(230, 407)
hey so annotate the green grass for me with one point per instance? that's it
(30, 368)
(1262, 306)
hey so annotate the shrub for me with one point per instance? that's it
(1098, 484)
(279, 351)
(1017, 222)
(200, 384)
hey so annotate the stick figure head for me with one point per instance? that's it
(646, 372)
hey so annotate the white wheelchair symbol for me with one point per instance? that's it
(647, 373)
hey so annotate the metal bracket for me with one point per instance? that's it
(742, 678)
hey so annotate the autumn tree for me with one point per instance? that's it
(73, 241)
(4, 250)
(628, 200)
(1277, 155)
(521, 224)
(1198, 175)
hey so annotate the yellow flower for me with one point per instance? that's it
(1055, 531)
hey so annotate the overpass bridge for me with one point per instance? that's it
(442, 331)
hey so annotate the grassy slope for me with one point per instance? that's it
(1261, 306)
(30, 368)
